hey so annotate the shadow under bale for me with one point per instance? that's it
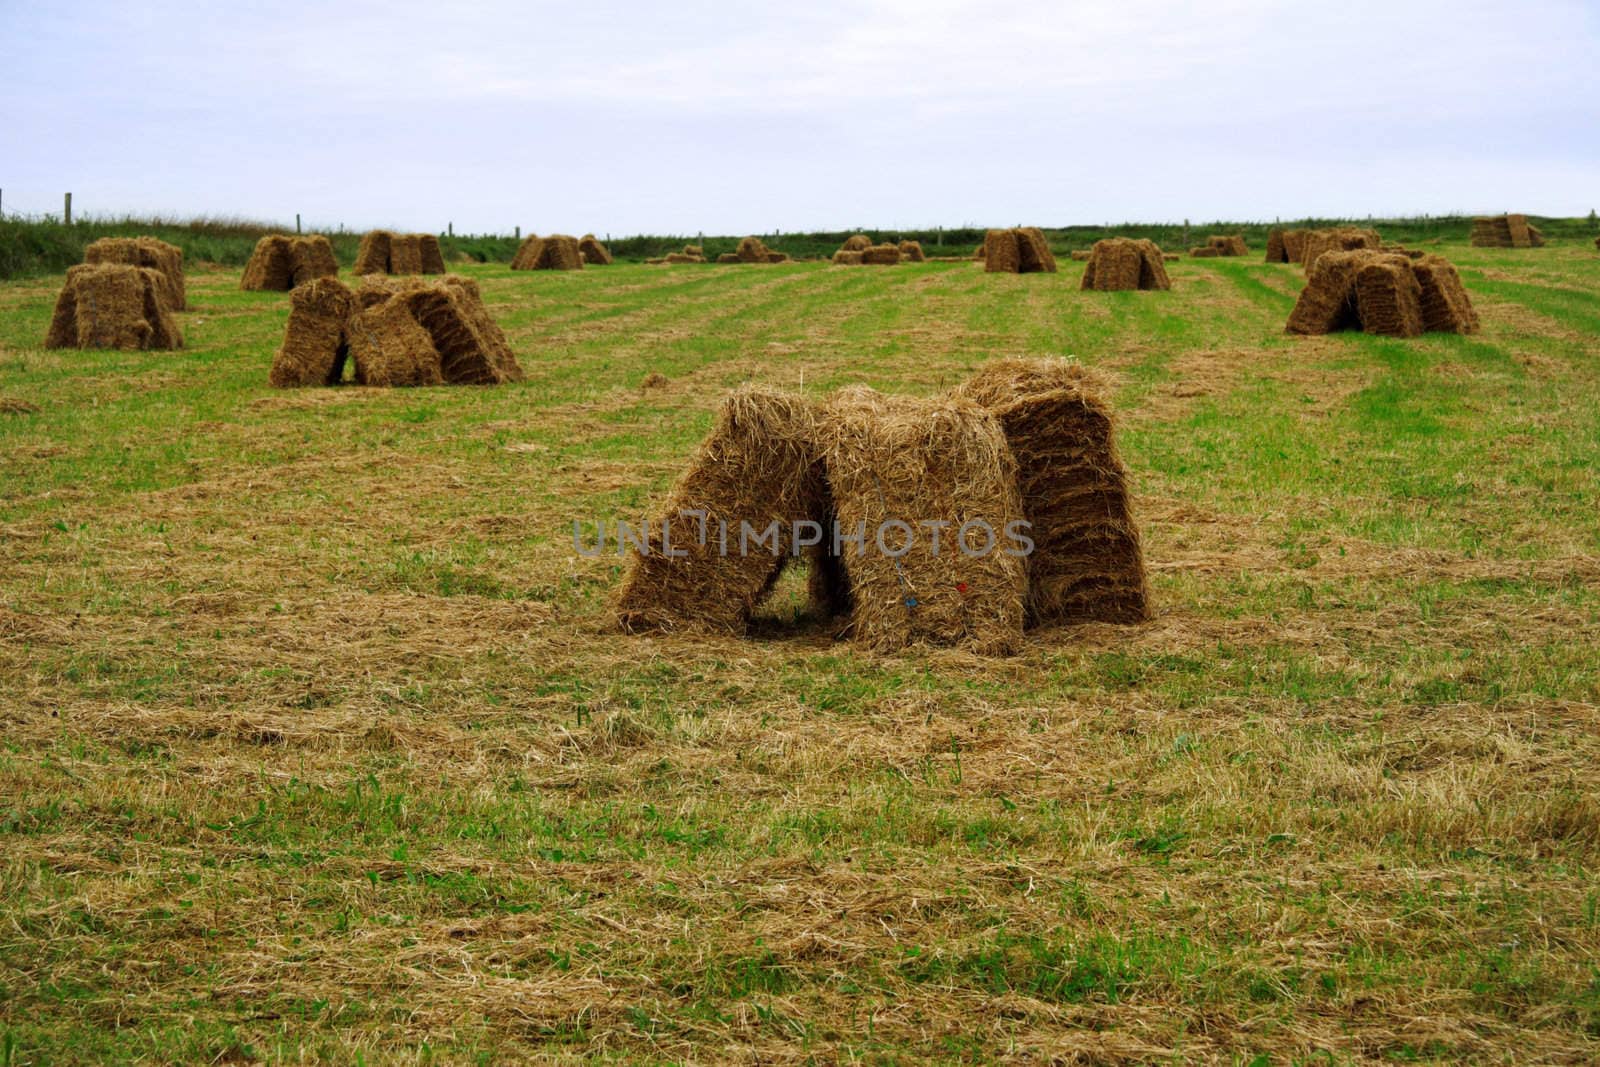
(113, 305)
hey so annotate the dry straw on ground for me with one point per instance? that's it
(1382, 293)
(281, 262)
(593, 252)
(1125, 263)
(1087, 563)
(113, 305)
(403, 332)
(385, 252)
(758, 466)
(1505, 231)
(556, 252)
(151, 252)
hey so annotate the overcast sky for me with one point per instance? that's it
(627, 117)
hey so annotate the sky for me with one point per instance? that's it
(622, 117)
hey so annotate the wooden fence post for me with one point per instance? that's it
(66, 211)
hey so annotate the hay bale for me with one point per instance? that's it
(312, 257)
(1170, 257)
(270, 267)
(881, 255)
(1294, 245)
(1087, 563)
(856, 243)
(556, 252)
(911, 252)
(390, 348)
(683, 257)
(1337, 239)
(1203, 252)
(1122, 263)
(593, 251)
(777, 257)
(1001, 254)
(694, 251)
(758, 466)
(751, 250)
(848, 258)
(1446, 308)
(1359, 289)
(472, 349)
(913, 460)
(1275, 249)
(151, 252)
(405, 253)
(316, 345)
(432, 255)
(373, 256)
(1034, 250)
(113, 305)
(729, 257)
(1081, 255)
(1232, 245)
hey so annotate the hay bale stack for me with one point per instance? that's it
(694, 251)
(316, 345)
(857, 243)
(1285, 246)
(777, 257)
(594, 253)
(113, 305)
(1087, 563)
(151, 252)
(1337, 239)
(556, 252)
(404, 331)
(1170, 257)
(759, 465)
(1232, 245)
(1505, 231)
(911, 252)
(385, 252)
(915, 460)
(752, 250)
(682, 257)
(373, 256)
(729, 257)
(1121, 263)
(847, 258)
(1446, 308)
(1203, 252)
(1365, 289)
(881, 255)
(1023, 250)
(280, 263)
(1081, 255)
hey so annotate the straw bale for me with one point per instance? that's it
(1087, 563)
(757, 467)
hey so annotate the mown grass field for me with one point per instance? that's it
(314, 746)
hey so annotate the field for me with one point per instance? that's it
(314, 745)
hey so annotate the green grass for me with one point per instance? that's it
(315, 746)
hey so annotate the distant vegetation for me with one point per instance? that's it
(33, 246)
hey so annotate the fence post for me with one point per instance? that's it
(519, 232)
(66, 211)
(297, 222)
(450, 228)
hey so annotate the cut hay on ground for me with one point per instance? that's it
(594, 253)
(151, 252)
(1018, 251)
(113, 305)
(1505, 231)
(450, 338)
(916, 460)
(385, 252)
(1119, 263)
(911, 252)
(758, 466)
(280, 263)
(1087, 563)
(1382, 293)
(556, 252)
(1336, 239)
